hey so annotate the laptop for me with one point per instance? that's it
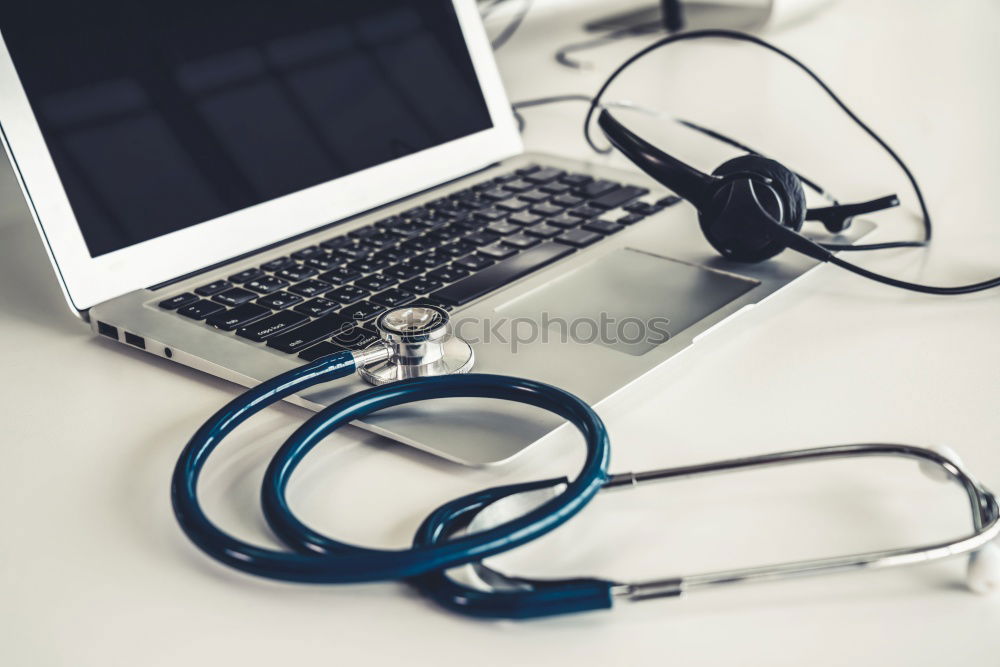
(227, 184)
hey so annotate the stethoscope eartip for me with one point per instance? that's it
(983, 573)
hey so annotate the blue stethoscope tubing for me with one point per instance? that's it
(320, 559)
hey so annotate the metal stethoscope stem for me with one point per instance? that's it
(504, 595)
(983, 506)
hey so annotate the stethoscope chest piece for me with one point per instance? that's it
(420, 344)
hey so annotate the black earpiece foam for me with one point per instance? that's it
(734, 224)
(783, 180)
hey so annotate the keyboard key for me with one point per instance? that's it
(324, 349)
(430, 260)
(603, 227)
(512, 205)
(296, 272)
(520, 241)
(498, 251)
(490, 214)
(382, 240)
(369, 264)
(344, 274)
(306, 253)
(544, 175)
(576, 179)
(616, 198)
(361, 311)
(417, 245)
(501, 273)
(421, 285)
(270, 326)
(266, 285)
(503, 228)
(630, 219)
(363, 232)
(416, 212)
(586, 211)
(641, 207)
(669, 200)
(234, 296)
(279, 300)
(355, 338)
(578, 238)
(336, 242)
(392, 298)
(527, 170)
(302, 337)
(356, 251)
(245, 275)
(389, 223)
(316, 307)
(376, 282)
(175, 302)
(568, 200)
(473, 262)
(554, 189)
(564, 220)
(537, 196)
(200, 309)
(496, 194)
(276, 264)
(543, 231)
(323, 262)
(524, 218)
(481, 238)
(213, 287)
(519, 185)
(598, 188)
(403, 271)
(458, 248)
(440, 236)
(391, 255)
(547, 209)
(310, 288)
(449, 274)
(237, 317)
(348, 294)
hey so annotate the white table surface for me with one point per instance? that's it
(94, 571)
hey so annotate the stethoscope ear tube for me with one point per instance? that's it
(350, 563)
(324, 560)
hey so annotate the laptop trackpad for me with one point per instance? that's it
(628, 300)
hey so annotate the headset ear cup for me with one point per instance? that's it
(734, 225)
(784, 181)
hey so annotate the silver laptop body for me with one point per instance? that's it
(625, 299)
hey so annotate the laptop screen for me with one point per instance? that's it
(159, 116)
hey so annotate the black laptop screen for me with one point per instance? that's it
(161, 115)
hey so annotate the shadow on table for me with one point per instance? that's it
(29, 289)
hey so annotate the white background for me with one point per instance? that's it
(93, 570)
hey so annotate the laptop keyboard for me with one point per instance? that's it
(323, 298)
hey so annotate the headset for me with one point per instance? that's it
(751, 207)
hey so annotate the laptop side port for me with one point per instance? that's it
(137, 341)
(106, 329)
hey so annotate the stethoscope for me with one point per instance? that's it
(419, 358)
